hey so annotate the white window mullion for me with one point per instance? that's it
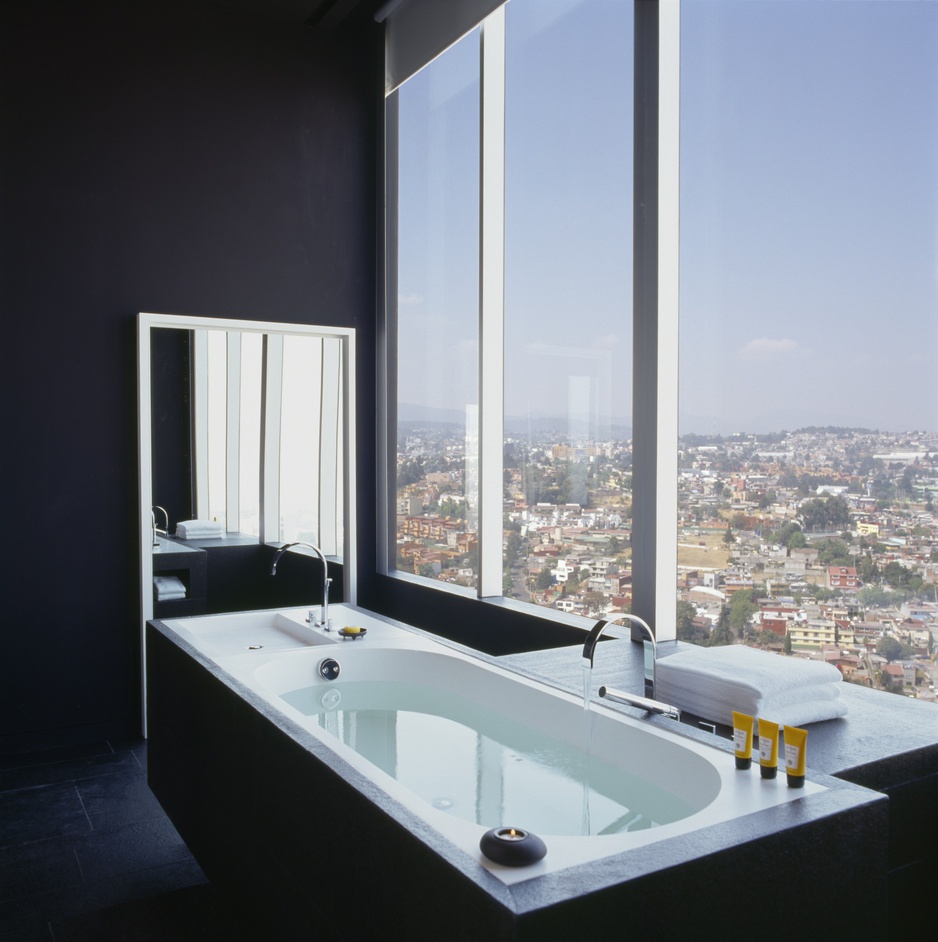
(330, 406)
(669, 122)
(233, 434)
(200, 422)
(271, 405)
(655, 310)
(492, 303)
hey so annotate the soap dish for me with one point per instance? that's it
(353, 634)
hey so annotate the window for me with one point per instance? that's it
(517, 231)
(269, 434)
(437, 310)
(791, 167)
(809, 309)
(568, 304)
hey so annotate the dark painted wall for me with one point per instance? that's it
(171, 157)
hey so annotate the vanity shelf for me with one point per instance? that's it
(189, 564)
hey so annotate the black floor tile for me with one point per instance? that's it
(86, 852)
(35, 814)
(194, 914)
(69, 769)
(37, 868)
(25, 921)
(119, 799)
(60, 754)
(134, 847)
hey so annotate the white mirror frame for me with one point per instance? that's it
(144, 447)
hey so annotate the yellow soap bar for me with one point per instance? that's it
(352, 629)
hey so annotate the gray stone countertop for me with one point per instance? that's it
(884, 739)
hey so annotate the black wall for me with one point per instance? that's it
(163, 157)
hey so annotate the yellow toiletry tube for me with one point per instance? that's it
(768, 748)
(742, 739)
(795, 747)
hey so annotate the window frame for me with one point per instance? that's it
(656, 145)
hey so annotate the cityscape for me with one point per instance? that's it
(819, 542)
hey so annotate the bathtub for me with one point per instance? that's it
(467, 746)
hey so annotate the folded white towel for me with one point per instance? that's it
(721, 707)
(712, 682)
(199, 529)
(168, 588)
(811, 711)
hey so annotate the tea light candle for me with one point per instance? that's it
(512, 847)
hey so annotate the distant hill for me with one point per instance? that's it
(535, 426)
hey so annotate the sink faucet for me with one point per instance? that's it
(156, 529)
(321, 621)
(648, 701)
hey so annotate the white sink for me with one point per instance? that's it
(237, 632)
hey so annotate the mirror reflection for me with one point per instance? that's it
(245, 441)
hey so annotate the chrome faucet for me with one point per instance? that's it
(322, 620)
(156, 529)
(650, 649)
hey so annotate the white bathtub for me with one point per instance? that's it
(466, 745)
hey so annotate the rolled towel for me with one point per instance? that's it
(199, 529)
(712, 682)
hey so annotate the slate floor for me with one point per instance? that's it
(86, 853)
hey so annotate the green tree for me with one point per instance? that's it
(893, 649)
(742, 608)
(825, 513)
(833, 552)
(685, 620)
(544, 580)
(721, 633)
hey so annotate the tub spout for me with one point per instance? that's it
(643, 703)
(646, 702)
(321, 621)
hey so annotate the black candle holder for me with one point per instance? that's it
(512, 847)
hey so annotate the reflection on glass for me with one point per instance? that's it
(437, 315)
(568, 302)
(217, 388)
(250, 444)
(299, 440)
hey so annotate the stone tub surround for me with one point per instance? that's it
(886, 743)
(275, 816)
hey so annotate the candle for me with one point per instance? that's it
(511, 834)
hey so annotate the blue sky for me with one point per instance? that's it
(809, 226)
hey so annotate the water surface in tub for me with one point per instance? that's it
(482, 766)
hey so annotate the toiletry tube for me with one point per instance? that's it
(795, 747)
(742, 739)
(768, 748)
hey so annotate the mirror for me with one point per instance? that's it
(247, 426)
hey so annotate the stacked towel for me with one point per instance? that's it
(199, 530)
(713, 682)
(168, 587)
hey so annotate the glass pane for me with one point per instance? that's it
(568, 303)
(437, 313)
(217, 425)
(249, 462)
(809, 324)
(299, 439)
